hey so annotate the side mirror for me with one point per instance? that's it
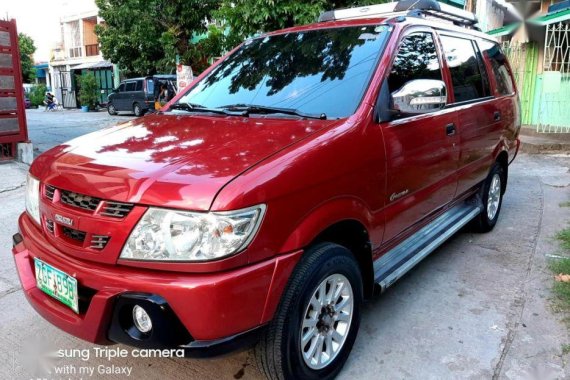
(419, 96)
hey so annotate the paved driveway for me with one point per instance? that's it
(477, 308)
(47, 129)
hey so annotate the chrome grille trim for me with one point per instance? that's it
(116, 209)
(50, 226)
(49, 192)
(79, 200)
(99, 241)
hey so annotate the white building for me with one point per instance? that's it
(77, 53)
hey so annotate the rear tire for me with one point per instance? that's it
(319, 310)
(111, 109)
(492, 199)
(137, 110)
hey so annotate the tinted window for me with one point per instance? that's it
(467, 71)
(498, 61)
(416, 59)
(415, 68)
(131, 86)
(318, 71)
(139, 85)
(121, 87)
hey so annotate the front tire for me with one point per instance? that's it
(111, 109)
(492, 199)
(316, 323)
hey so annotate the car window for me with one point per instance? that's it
(324, 71)
(465, 64)
(131, 86)
(139, 85)
(498, 61)
(121, 87)
(150, 86)
(416, 68)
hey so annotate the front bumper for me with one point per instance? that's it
(211, 308)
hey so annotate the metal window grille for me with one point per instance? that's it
(555, 92)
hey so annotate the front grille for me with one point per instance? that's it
(99, 241)
(72, 234)
(116, 209)
(49, 192)
(79, 200)
(50, 226)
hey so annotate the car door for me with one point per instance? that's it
(479, 123)
(421, 145)
(139, 94)
(130, 94)
(118, 97)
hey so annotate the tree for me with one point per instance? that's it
(27, 50)
(37, 95)
(249, 17)
(145, 36)
(88, 90)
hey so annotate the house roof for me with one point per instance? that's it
(93, 65)
(551, 18)
(505, 30)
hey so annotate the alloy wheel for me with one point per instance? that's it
(326, 321)
(494, 197)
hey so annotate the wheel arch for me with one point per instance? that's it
(354, 236)
(345, 221)
(503, 160)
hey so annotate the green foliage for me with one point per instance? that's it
(88, 90)
(564, 238)
(37, 95)
(144, 36)
(27, 50)
(249, 17)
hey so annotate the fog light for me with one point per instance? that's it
(141, 319)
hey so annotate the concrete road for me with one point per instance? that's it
(477, 308)
(47, 129)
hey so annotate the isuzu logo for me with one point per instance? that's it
(63, 220)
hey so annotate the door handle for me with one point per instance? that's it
(450, 129)
(497, 116)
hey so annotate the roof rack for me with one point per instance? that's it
(413, 8)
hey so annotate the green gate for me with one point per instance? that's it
(524, 63)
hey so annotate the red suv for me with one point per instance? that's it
(306, 171)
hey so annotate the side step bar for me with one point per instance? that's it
(399, 260)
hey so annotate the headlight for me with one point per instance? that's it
(33, 198)
(170, 235)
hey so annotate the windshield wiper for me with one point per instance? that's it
(247, 109)
(191, 107)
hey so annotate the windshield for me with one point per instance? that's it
(322, 72)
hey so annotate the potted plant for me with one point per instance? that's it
(88, 92)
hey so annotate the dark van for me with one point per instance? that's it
(137, 95)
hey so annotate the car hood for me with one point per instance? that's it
(178, 161)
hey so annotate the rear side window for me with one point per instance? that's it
(470, 81)
(139, 85)
(498, 61)
(131, 86)
(150, 86)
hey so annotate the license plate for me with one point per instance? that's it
(57, 284)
